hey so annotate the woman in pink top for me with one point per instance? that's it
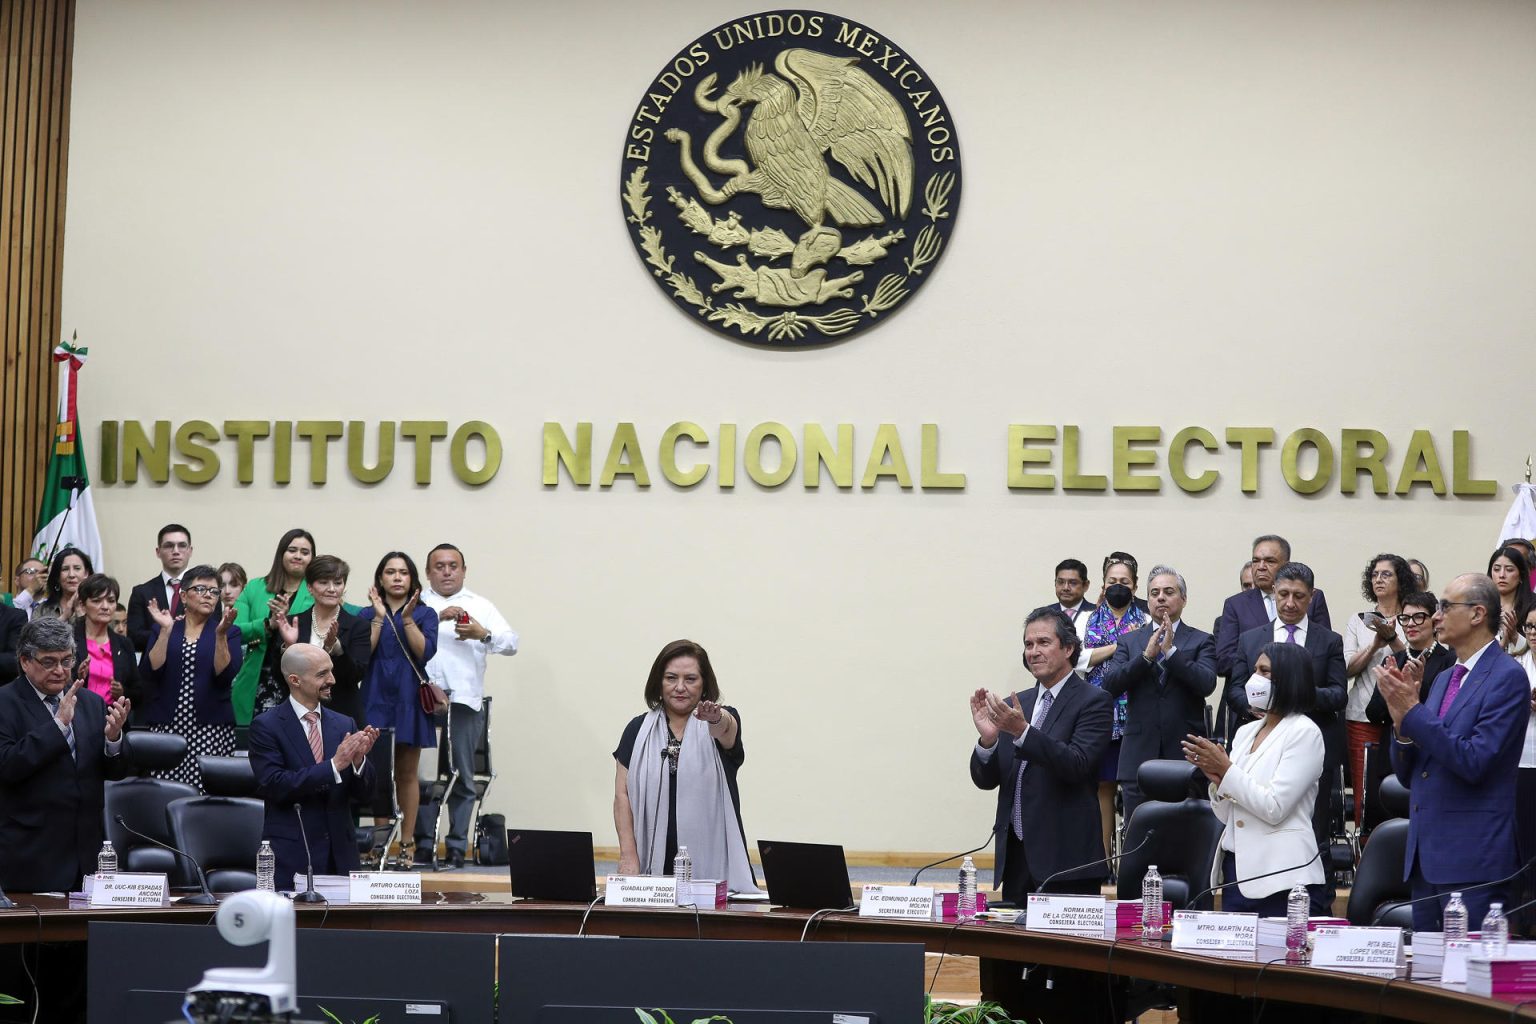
(113, 668)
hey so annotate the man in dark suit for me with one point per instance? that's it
(1167, 669)
(59, 743)
(173, 547)
(1249, 609)
(1071, 584)
(12, 621)
(306, 754)
(1293, 592)
(1458, 754)
(1041, 751)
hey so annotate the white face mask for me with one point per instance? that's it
(1258, 692)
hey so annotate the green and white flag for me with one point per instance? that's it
(67, 518)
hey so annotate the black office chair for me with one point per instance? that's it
(227, 776)
(222, 834)
(381, 807)
(1379, 877)
(1188, 834)
(1378, 765)
(141, 802)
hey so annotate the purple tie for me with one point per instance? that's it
(1042, 708)
(1290, 634)
(1457, 675)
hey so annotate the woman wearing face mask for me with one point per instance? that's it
(1116, 615)
(1263, 793)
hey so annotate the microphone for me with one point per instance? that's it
(201, 899)
(1239, 881)
(951, 857)
(1522, 869)
(308, 895)
(1102, 860)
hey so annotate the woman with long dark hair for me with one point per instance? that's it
(61, 595)
(1371, 638)
(1511, 575)
(262, 605)
(402, 636)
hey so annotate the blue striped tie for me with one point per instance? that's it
(69, 731)
(1042, 708)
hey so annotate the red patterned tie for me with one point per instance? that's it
(312, 721)
(175, 596)
(1457, 675)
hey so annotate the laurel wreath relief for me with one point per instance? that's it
(790, 324)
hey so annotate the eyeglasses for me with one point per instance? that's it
(54, 664)
(202, 591)
(1529, 628)
(1383, 574)
(30, 572)
(1413, 618)
(1446, 606)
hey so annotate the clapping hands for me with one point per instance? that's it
(354, 747)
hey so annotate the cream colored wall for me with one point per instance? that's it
(1195, 213)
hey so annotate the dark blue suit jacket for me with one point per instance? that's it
(1461, 770)
(287, 774)
(210, 692)
(1061, 784)
(1245, 610)
(1162, 707)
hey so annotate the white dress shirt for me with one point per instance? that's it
(301, 711)
(459, 665)
(1528, 754)
(1301, 632)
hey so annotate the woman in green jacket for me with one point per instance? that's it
(265, 601)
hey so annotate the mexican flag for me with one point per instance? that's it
(67, 518)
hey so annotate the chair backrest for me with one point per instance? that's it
(222, 834)
(1379, 878)
(1188, 834)
(227, 776)
(1394, 797)
(381, 804)
(483, 769)
(141, 803)
(146, 750)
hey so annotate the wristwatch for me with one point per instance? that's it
(486, 639)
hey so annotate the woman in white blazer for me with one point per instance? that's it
(1265, 790)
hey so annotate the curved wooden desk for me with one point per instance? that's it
(1249, 977)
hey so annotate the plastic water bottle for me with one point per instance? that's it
(965, 905)
(1495, 931)
(1455, 918)
(266, 867)
(1152, 904)
(1298, 907)
(106, 860)
(682, 870)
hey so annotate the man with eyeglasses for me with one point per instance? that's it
(59, 743)
(1458, 753)
(173, 546)
(30, 580)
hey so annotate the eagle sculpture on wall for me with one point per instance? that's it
(817, 104)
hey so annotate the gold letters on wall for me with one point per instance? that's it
(687, 455)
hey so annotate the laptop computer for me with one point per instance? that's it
(548, 865)
(807, 876)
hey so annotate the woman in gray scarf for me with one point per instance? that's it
(684, 753)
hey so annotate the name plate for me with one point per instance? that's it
(1066, 915)
(385, 887)
(641, 891)
(1372, 950)
(1453, 969)
(126, 889)
(910, 902)
(1204, 929)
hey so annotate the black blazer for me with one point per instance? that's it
(50, 805)
(12, 620)
(287, 774)
(350, 665)
(140, 625)
(1327, 650)
(1439, 659)
(125, 664)
(210, 692)
(1162, 707)
(1245, 610)
(1061, 800)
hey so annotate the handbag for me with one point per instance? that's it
(432, 698)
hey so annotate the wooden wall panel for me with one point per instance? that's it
(37, 40)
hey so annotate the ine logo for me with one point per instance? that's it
(791, 178)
